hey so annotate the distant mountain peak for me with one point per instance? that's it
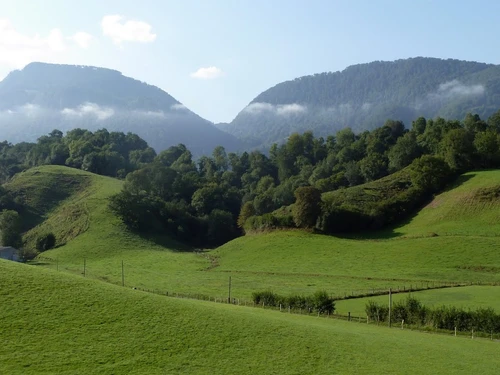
(363, 96)
(43, 96)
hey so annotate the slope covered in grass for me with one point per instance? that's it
(471, 206)
(150, 263)
(57, 323)
(73, 204)
(283, 261)
(41, 191)
(400, 260)
(465, 219)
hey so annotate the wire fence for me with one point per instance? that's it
(120, 274)
(118, 278)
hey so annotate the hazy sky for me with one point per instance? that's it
(216, 56)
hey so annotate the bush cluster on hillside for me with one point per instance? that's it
(412, 311)
(319, 302)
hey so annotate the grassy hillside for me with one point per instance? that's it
(286, 262)
(453, 238)
(152, 263)
(399, 260)
(55, 199)
(470, 207)
(102, 239)
(57, 323)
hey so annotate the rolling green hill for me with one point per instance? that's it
(454, 237)
(284, 261)
(51, 322)
(470, 207)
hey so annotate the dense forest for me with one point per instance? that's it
(363, 96)
(344, 183)
(306, 182)
(112, 154)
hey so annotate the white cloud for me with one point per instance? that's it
(17, 49)
(30, 110)
(456, 88)
(89, 109)
(55, 40)
(154, 114)
(82, 39)
(288, 109)
(178, 107)
(257, 108)
(448, 91)
(366, 106)
(121, 30)
(281, 109)
(207, 73)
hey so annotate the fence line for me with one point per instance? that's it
(121, 279)
(86, 271)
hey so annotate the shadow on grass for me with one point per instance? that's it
(39, 263)
(166, 242)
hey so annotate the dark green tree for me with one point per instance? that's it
(404, 152)
(429, 173)
(10, 229)
(247, 210)
(307, 206)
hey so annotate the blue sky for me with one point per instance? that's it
(216, 56)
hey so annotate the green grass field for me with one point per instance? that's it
(60, 322)
(53, 322)
(285, 262)
(469, 297)
(461, 210)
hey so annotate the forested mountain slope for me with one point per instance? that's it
(43, 97)
(364, 96)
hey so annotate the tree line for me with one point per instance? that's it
(112, 154)
(306, 182)
(216, 198)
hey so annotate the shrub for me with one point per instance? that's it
(319, 302)
(267, 297)
(27, 254)
(247, 210)
(10, 229)
(307, 207)
(429, 173)
(268, 222)
(323, 303)
(46, 242)
(413, 312)
(299, 302)
(377, 312)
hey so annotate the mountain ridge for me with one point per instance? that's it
(44, 96)
(364, 96)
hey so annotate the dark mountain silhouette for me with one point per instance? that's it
(42, 97)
